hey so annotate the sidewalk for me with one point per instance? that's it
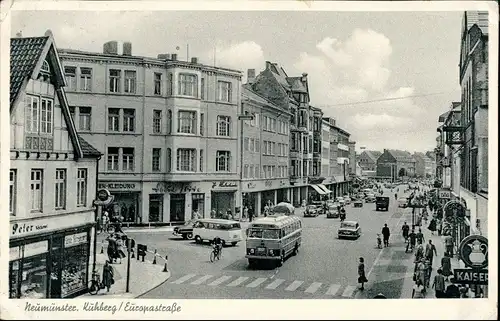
(144, 276)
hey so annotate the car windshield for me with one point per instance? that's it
(348, 225)
(264, 234)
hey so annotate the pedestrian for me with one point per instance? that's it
(418, 290)
(105, 221)
(386, 233)
(266, 210)
(250, 213)
(420, 272)
(361, 273)
(196, 214)
(430, 250)
(245, 212)
(107, 276)
(452, 290)
(446, 266)
(439, 226)
(464, 291)
(412, 241)
(112, 250)
(420, 236)
(439, 284)
(406, 231)
(432, 226)
(448, 242)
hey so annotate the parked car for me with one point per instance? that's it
(332, 212)
(340, 200)
(370, 198)
(186, 230)
(358, 203)
(311, 211)
(347, 200)
(349, 229)
(402, 202)
(382, 202)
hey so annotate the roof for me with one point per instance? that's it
(423, 156)
(87, 149)
(24, 56)
(479, 18)
(443, 116)
(252, 95)
(373, 154)
(401, 155)
(275, 220)
(297, 85)
(217, 220)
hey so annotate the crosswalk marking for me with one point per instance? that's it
(333, 289)
(184, 278)
(275, 284)
(256, 283)
(349, 290)
(220, 280)
(313, 287)
(238, 281)
(202, 279)
(294, 286)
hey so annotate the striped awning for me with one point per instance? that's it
(323, 187)
(318, 189)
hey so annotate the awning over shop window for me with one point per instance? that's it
(323, 187)
(318, 189)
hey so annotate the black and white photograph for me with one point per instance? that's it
(241, 150)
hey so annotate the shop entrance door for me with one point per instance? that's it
(155, 208)
(177, 207)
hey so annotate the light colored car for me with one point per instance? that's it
(340, 200)
(347, 199)
(311, 211)
(402, 202)
(349, 229)
(370, 198)
(332, 212)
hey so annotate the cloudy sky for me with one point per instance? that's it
(405, 64)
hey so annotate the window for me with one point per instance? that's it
(156, 159)
(81, 187)
(246, 143)
(157, 84)
(60, 192)
(113, 158)
(12, 192)
(36, 190)
(114, 80)
(188, 85)
(185, 159)
(169, 160)
(224, 89)
(245, 171)
(251, 144)
(129, 120)
(202, 85)
(169, 122)
(170, 84)
(45, 66)
(222, 161)
(157, 121)
(70, 76)
(201, 160)
(86, 79)
(223, 125)
(114, 119)
(257, 145)
(84, 118)
(202, 124)
(186, 122)
(256, 119)
(128, 159)
(46, 116)
(130, 79)
(251, 172)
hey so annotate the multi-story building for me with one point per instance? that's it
(432, 156)
(265, 160)
(423, 165)
(368, 161)
(168, 129)
(52, 181)
(291, 94)
(394, 163)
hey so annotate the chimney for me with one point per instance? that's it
(48, 33)
(127, 49)
(250, 76)
(268, 65)
(194, 60)
(304, 77)
(165, 56)
(174, 57)
(110, 48)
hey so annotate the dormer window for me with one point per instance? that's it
(45, 67)
(44, 74)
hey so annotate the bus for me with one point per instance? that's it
(273, 238)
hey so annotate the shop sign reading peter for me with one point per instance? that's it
(163, 187)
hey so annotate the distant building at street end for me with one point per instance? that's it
(368, 160)
(394, 164)
(423, 165)
(169, 130)
(52, 179)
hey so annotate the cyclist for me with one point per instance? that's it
(217, 242)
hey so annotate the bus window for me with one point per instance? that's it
(270, 234)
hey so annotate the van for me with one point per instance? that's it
(227, 230)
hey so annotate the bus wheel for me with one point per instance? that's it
(296, 249)
(251, 263)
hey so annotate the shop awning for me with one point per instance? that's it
(323, 187)
(318, 189)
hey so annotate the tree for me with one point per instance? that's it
(402, 172)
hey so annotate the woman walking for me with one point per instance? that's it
(432, 226)
(107, 275)
(446, 266)
(418, 290)
(361, 273)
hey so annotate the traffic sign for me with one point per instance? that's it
(245, 117)
(470, 276)
(473, 251)
(103, 194)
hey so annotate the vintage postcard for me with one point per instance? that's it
(299, 158)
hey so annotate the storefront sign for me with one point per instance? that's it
(268, 183)
(75, 239)
(444, 193)
(50, 223)
(163, 187)
(251, 185)
(283, 183)
(103, 194)
(116, 186)
(471, 276)
(455, 209)
(473, 251)
(33, 249)
(224, 184)
(27, 228)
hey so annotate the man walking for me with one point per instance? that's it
(386, 233)
(406, 231)
(412, 239)
(420, 236)
(430, 250)
(439, 284)
(448, 242)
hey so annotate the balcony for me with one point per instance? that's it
(315, 179)
(307, 155)
(294, 154)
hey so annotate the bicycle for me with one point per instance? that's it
(95, 284)
(215, 254)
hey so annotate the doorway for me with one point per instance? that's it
(177, 207)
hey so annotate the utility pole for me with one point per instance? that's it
(129, 249)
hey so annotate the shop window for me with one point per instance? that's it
(155, 208)
(14, 268)
(74, 272)
(36, 190)
(81, 187)
(60, 189)
(177, 207)
(33, 278)
(12, 191)
(198, 200)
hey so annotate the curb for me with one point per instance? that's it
(169, 274)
